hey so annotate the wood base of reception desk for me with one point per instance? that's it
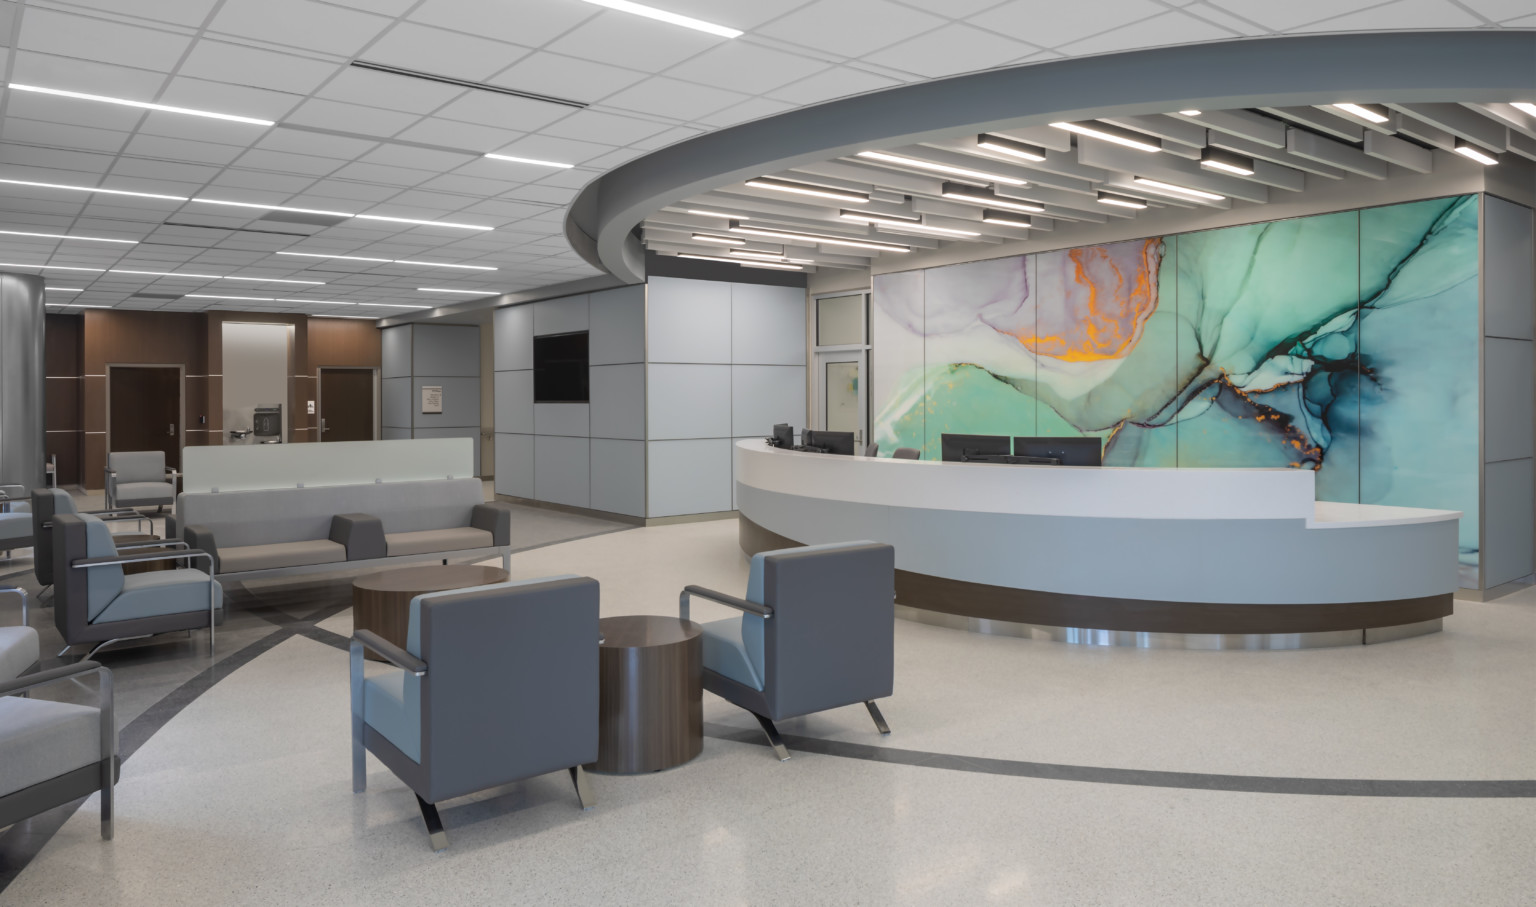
(1121, 621)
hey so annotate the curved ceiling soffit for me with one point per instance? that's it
(1282, 71)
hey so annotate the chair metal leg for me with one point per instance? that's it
(99, 646)
(774, 740)
(106, 799)
(65, 651)
(583, 789)
(874, 712)
(359, 757)
(435, 833)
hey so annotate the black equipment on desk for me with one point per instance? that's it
(973, 448)
(831, 442)
(783, 436)
(1066, 451)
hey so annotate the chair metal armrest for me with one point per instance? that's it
(104, 696)
(141, 558)
(391, 652)
(739, 604)
(157, 543)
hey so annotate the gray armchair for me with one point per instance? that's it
(140, 479)
(53, 753)
(15, 520)
(496, 684)
(94, 602)
(20, 647)
(907, 453)
(817, 631)
(49, 502)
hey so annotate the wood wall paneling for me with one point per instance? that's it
(64, 391)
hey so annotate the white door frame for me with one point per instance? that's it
(846, 352)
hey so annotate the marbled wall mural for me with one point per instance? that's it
(1342, 343)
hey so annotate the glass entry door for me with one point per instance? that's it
(842, 403)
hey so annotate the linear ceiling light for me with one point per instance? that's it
(661, 15)
(775, 265)
(1368, 112)
(64, 289)
(396, 305)
(1009, 146)
(904, 223)
(363, 317)
(1107, 133)
(1159, 186)
(1189, 113)
(422, 223)
(391, 261)
(719, 214)
(722, 240)
(446, 290)
(1467, 149)
(313, 283)
(67, 236)
(169, 198)
(11, 264)
(1525, 107)
(241, 298)
(818, 238)
(1004, 219)
(323, 213)
(977, 196)
(778, 185)
(142, 105)
(764, 256)
(1121, 201)
(76, 305)
(933, 167)
(1218, 159)
(528, 160)
(464, 83)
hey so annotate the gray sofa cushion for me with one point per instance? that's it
(106, 581)
(40, 740)
(19, 650)
(725, 652)
(430, 540)
(161, 592)
(392, 706)
(15, 530)
(137, 465)
(130, 493)
(280, 554)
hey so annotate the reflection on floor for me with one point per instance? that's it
(242, 795)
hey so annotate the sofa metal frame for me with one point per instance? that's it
(83, 781)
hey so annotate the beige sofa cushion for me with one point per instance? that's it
(280, 554)
(430, 540)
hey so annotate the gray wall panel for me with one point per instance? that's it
(514, 402)
(514, 465)
(562, 471)
(560, 316)
(1508, 537)
(446, 350)
(767, 325)
(396, 350)
(1509, 399)
(689, 321)
(688, 476)
(763, 395)
(618, 476)
(396, 405)
(395, 434)
(472, 433)
(1509, 283)
(514, 337)
(688, 401)
(566, 419)
(617, 319)
(461, 403)
(618, 401)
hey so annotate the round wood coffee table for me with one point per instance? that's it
(651, 706)
(381, 602)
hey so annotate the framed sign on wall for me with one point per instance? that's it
(431, 399)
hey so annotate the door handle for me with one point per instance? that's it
(170, 430)
(323, 426)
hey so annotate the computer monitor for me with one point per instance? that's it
(960, 448)
(1070, 451)
(833, 442)
(783, 435)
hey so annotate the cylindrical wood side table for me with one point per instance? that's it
(149, 566)
(651, 711)
(381, 602)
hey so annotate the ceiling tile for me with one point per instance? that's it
(177, 12)
(1402, 14)
(161, 170)
(606, 128)
(542, 148)
(222, 97)
(90, 76)
(1168, 28)
(950, 50)
(284, 162)
(483, 107)
(316, 143)
(381, 89)
(666, 137)
(88, 38)
(224, 61)
(67, 110)
(419, 158)
(526, 22)
(833, 83)
(442, 52)
(1225, 19)
(356, 118)
(378, 173)
(745, 67)
(1050, 25)
(261, 180)
(851, 27)
(560, 76)
(1500, 10)
(299, 23)
(198, 129)
(62, 135)
(754, 109)
(625, 40)
(454, 134)
(661, 96)
(1292, 13)
(167, 149)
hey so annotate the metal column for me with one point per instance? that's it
(21, 380)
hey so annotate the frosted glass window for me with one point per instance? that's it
(842, 387)
(840, 320)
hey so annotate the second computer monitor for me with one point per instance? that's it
(833, 442)
(959, 448)
(1070, 451)
(784, 435)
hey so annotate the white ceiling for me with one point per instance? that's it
(362, 142)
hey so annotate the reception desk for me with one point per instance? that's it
(1205, 558)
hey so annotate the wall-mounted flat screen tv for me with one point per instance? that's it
(560, 368)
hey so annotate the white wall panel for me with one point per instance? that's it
(618, 476)
(1509, 281)
(767, 325)
(461, 403)
(617, 319)
(1508, 538)
(567, 419)
(514, 465)
(473, 433)
(1509, 399)
(688, 401)
(560, 316)
(445, 350)
(618, 401)
(688, 476)
(514, 402)
(514, 337)
(562, 471)
(689, 321)
(763, 395)
(396, 403)
(396, 350)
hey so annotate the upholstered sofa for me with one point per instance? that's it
(330, 527)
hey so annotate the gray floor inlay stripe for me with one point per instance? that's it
(1256, 784)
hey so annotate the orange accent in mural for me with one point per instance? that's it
(1108, 294)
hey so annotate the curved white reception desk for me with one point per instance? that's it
(1194, 557)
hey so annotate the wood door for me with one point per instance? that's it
(145, 410)
(346, 404)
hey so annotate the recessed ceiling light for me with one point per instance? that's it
(1121, 201)
(64, 289)
(977, 196)
(142, 105)
(77, 305)
(318, 302)
(1189, 113)
(423, 223)
(719, 214)
(778, 185)
(661, 15)
(391, 261)
(4, 264)
(396, 305)
(265, 207)
(67, 236)
(903, 223)
(169, 198)
(1219, 159)
(1009, 146)
(1368, 112)
(724, 240)
(1176, 190)
(1004, 219)
(819, 238)
(1107, 133)
(241, 298)
(529, 160)
(779, 266)
(445, 290)
(1481, 155)
(1525, 107)
(934, 167)
(314, 283)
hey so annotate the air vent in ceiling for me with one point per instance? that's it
(465, 83)
(172, 223)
